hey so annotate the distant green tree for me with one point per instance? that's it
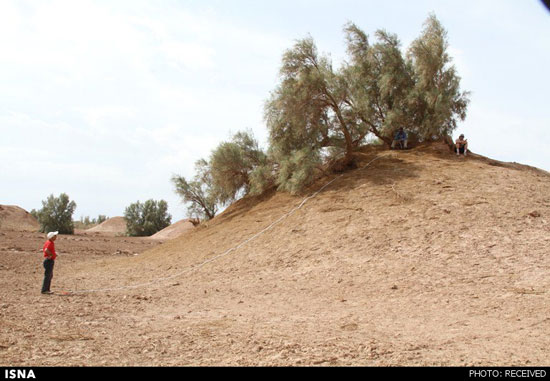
(146, 219)
(101, 218)
(199, 192)
(87, 221)
(56, 214)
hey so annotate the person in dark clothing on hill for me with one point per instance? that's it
(461, 145)
(400, 137)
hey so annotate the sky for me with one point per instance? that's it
(106, 100)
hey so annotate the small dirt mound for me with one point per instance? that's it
(113, 226)
(174, 230)
(15, 218)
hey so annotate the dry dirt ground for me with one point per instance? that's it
(421, 258)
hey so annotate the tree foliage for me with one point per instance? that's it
(235, 168)
(316, 109)
(199, 192)
(56, 214)
(298, 169)
(86, 222)
(317, 113)
(436, 96)
(232, 164)
(101, 218)
(308, 109)
(379, 82)
(146, 219)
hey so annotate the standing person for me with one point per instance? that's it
(400, 136)
(49, 255)
(461, 145)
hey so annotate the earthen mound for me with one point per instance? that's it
(15, 218)
(415, 258)
(174, 230)
(114, 225)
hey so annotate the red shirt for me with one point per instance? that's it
(49, 245)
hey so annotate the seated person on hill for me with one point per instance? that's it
(400, 136)
(461, 145)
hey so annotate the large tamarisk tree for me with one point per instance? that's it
(308, 111)
(315, 109)
(379, 81)
(436, 102)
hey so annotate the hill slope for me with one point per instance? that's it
(174, 230)
(111, 226)
(16, 218)
(420, 258)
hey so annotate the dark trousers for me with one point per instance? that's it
(48, 274)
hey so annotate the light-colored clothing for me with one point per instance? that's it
(461, 143)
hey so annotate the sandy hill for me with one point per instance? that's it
(419, 258)
(174, 230)
(113, 225)
(15, 218)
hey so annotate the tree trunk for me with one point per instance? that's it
(377, 133)
(349, 141)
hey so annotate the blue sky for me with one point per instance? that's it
(106, 100)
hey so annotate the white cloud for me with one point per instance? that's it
(188, 55)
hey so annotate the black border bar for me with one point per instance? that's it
(404, 373)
